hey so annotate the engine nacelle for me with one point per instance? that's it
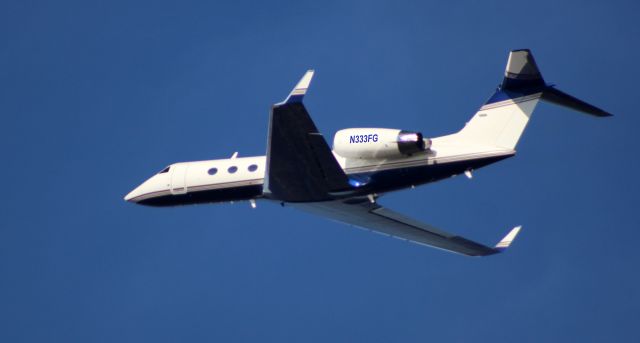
(375, 143)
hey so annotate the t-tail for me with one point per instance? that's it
(502, 119)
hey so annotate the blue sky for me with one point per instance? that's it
(97, 96)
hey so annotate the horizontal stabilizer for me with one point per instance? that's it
(523, 77)
(558, 97)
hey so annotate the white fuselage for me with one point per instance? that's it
(241, 178)
(490, 136)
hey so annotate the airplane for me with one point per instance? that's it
(344, 183)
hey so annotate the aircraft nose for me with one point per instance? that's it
(132, 195)
(152, 187)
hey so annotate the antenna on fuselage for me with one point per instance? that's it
(235, 154)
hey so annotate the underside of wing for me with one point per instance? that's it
(362, 213)
(302, 170)
(300, 164)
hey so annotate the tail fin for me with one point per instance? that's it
(502, 119)
(522, 72)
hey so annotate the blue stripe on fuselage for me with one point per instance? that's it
(399, 178)
(502, 95)
(362, 183)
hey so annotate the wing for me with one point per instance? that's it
(300, 164)
(302, 170)
(362, 213)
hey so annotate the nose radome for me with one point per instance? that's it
(128, 197)
(133, 194)
(154, 186)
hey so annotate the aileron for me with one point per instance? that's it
(375, 217)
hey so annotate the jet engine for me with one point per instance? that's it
(376, 143)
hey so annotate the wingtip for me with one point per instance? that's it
(305, 81)
(508, 239)
(298, 92)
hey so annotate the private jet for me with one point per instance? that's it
(344, 183)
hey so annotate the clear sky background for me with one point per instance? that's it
(96, 96)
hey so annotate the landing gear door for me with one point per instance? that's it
(179, 179)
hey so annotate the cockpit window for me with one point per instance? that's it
(165, 170)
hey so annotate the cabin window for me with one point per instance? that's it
(164, 170)
(253, 168)
(232, 169)
(212, 171)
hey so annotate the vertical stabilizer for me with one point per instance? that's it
(522, 72)
(501, 121)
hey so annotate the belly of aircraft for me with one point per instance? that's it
(377, 181)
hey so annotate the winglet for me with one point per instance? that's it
(508, 239)
(300, 90)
